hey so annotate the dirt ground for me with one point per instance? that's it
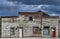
(29, 38)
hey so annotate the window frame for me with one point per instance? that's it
(48, 30)
(30, 18)
(39, 30)
(12, 30)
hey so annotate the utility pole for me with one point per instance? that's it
(41, 23)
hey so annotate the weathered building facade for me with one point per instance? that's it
(30, 24)
(59, 29)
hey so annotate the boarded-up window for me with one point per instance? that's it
(12, 31)
(46, 30)
(36, 30)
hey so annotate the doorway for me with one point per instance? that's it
(53, 32)
(20, 32)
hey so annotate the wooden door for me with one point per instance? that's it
(53, 32)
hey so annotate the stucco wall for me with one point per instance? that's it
(28, 28)
(6, 29)
(52, 22)
(59, 30)
(22, 21)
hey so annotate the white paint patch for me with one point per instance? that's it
(20, 32)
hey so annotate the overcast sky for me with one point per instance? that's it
(12, 7)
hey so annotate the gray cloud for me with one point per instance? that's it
(29, 8)
(38, 2)
(11, 7)
(8, 8)
(50, 9)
